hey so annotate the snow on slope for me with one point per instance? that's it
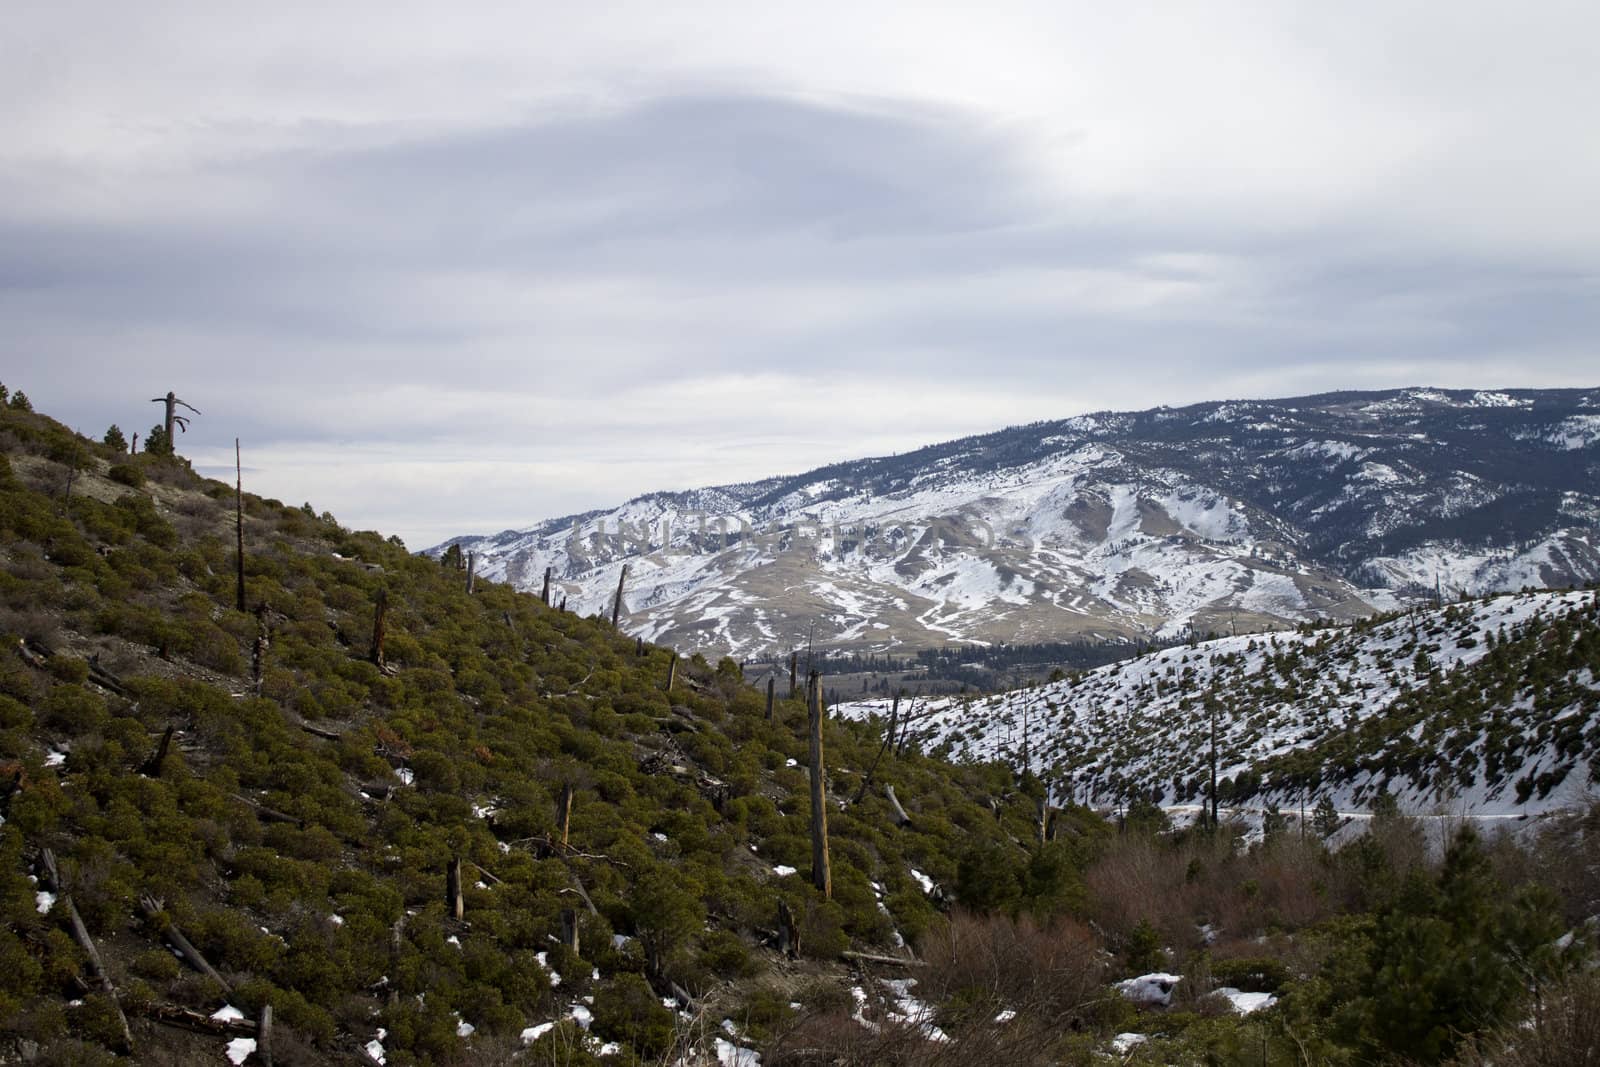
(1484, 707)
(1245, 515)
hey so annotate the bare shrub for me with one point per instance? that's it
(979, 966)
(1560, 1029)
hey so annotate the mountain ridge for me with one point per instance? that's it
(1214, 517)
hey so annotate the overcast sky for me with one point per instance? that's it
(456, 267)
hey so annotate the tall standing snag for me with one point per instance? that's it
(472, 571)
(380, 611)
(544, 594)
(771, 682)
(564, 812)
(672, 671)
(821, 872)
(173, 403)
(452, 889)
(238, 515)
(616, 605)
(794, 664)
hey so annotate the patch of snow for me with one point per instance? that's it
(228, 1014)
(1150, 990)
(783, 870)
(534, 1033)
(1245, 1003)
(44, 901)
(731, 1055)
(465, 1029)
(55, 759)
(405, 775)
(241, 1049)
(1123, 1044)
(922, 880)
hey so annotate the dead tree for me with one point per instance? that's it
(151, 768)
(563, 607)
(638, 647)
(569, 929)
(788, 931)
(616, 604)
(564, 813)
(80, 934)
(173, 403)
(264, 1036)
(472, 571)
(1212, 707)
(380, 611)
(900, 816)
(544, 595)
(794, 665)
(453, 897)
(888, 740)
(258, 653)
(772, 682)
(238, 516)
(672, 671)
(169, 931)
(821, 872)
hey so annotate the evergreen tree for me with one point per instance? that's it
(20, 401)
(157, 443)
(114, 438)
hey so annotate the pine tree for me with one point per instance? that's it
(157, 443)
(20, 401)
(114, 438)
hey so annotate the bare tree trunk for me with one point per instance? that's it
(1215, 822)
(264, 1036)
(472, 572)
(569, 929)
(616, 604)
(544, 594)
(453, 896)
(564, 812)
(638, 648)
(80, 934)
(794, 665)
(900, 816)
(821, 871)
(888, 739)
(380, 613)
(788, 931)
(672, 671)
(182, 945)
(771, 684)
(238, 510)
(152, 766)
(563, 607)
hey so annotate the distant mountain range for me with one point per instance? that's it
(1219, 517)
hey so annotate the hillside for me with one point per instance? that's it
(471, 827)
(1218, 517)
(1485, 707)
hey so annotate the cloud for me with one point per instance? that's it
(456, 274)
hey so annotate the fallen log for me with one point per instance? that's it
(169, 930)
(200, 1023)
(890, 961)
(900, 816)
(80, 934)
(266, 814)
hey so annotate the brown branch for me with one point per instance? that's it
(80, 934)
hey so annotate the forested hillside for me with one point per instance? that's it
(410, 816)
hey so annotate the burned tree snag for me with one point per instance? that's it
(563, 607)
(888, 740)
(672, 671)
(771, 684)
(794, 665)
(472, 572)
(173, 403)
(238, 514)
(264, 1036)
(80, 934)
(1212, 707)
(569, 929)
(788, 931)
(453, 897)
(380, 612)
(564, 813)
(900, 816)
(544, 594)
(821, 872)
(616, 604)
(169, 931)
(151, 768)
(638, 647)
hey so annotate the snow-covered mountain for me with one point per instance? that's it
(1220, 517)
(1483, 707)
